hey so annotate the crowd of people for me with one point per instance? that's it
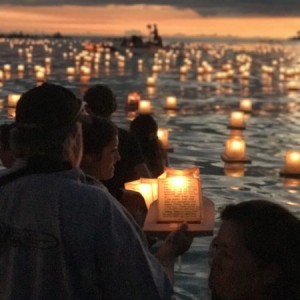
(69, 229)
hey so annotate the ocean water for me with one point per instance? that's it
(198, 129)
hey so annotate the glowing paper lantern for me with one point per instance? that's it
(171, 102)
(151, 81)
(12, 100)
(235, 151)
(237, 120)
(145, 107)
(179, 196)
(246, 105)
(235, 148)
(146, 186)
(291, 163)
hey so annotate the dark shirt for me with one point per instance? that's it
(131, 156)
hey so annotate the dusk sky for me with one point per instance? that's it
(243, 18)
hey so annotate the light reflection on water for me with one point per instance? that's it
(198, 129)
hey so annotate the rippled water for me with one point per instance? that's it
(198, 129)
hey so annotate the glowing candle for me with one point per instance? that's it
(145, 107)
(237, 119)
(171, 102)
(40, 76)
(179, 196)
(235, 148)
(292, 86)
(292, 162)
(246, 105)
(151, 81)
(70, 71)
(6, 68)
(146, 186)
(13, 99)
(163, 136)
(20, 68)
(183, 70)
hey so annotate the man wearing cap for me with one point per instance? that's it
(60, 238)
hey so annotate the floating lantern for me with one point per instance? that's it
(40, 76)
(13, 99)
(7, 68)
(237, 120)
(292, 86)
(151, 81)
(163, 136)
(70, 71)
(20, 68)
(183, 70)
(1, 75)
(291, 164)
(145, 107)
(235, 150)
(246, 105)
(171, 102)
(146, 186)
(48, 60)
(179, 196)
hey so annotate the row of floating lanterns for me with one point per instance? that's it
(235, 146)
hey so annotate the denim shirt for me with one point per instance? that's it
(63, 239)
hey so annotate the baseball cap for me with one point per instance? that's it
(48, 105)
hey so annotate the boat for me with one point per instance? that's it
(138, 44)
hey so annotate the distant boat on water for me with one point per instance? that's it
(295, 38)
(138, 43)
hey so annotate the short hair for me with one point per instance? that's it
(97, 135)
(272, 234)
(101, 100)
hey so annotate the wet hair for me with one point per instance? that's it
(101, 100)
(272, 234)
(97, 135)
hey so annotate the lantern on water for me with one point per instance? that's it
(292, 162)
(145, 186)
(163, 136)
(171, 102)
(237, 120)
(246, 105)
(145, 107)
(20, 68)
(235, 148)
(151, 81)
(179, 196)
(13, 99)
(70, 71)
